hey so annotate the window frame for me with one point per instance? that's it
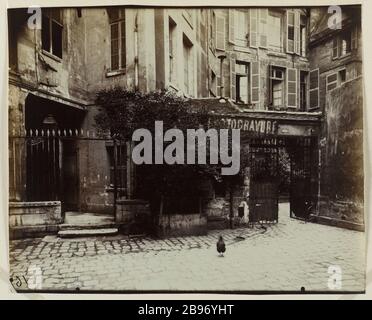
(120, 22)
(48, 14)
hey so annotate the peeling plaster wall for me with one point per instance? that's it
(342, 174)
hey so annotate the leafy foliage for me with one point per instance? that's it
(122, 112)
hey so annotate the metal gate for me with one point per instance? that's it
(263, 190)
(303, 187)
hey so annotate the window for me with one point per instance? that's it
(342, 76)
(121, 166)
(303, 36)
(117, 33)
(290, 32)
(275, 31)
(345, 43)
(241, 26)
(342, 44)
(51, 31)
(172, 51)
(187, 65)
(277, 86)
(303, 90)
(334, 80)
(242, 82)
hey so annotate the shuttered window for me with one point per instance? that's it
(253, 28)
(290, 32)
(332, 81)
(314, 88)
(255, 82)
(292, 87)
(297, 33)
(232, 19)
(263, 16)
(220, 33)
(232, 79)
(275, 37)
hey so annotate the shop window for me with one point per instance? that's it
(120, 156)
(51, 31)
(117, 36)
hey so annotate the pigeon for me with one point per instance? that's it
(221, 247)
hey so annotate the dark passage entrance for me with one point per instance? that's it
(263, 191)
(266, 177)
(303, 178)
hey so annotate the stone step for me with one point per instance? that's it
(76, 232)
(85, 226)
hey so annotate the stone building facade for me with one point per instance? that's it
(265, 63)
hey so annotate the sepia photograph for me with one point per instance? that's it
(186, 149)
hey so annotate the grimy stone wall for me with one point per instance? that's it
(341, 180)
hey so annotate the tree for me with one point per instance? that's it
(122, 112)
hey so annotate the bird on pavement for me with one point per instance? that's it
(221, 247)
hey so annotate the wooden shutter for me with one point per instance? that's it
(314, 89)
(354, 38)
(232, 79)
(335, 47)
(331, 81)
(290, 32)
(255, 81)
(220, 33)
(263, 27)
(253, 28)
(297, 32)
(270, 100)
(232, 25)
(292, 87)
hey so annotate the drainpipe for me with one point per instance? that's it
(222, 91)
(136, 75)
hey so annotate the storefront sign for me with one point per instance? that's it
(254, 126)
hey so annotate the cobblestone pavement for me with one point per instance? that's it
(286, 256)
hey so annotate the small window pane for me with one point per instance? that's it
(57, 39)
(45, 33)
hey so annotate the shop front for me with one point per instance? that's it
(279, 160)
